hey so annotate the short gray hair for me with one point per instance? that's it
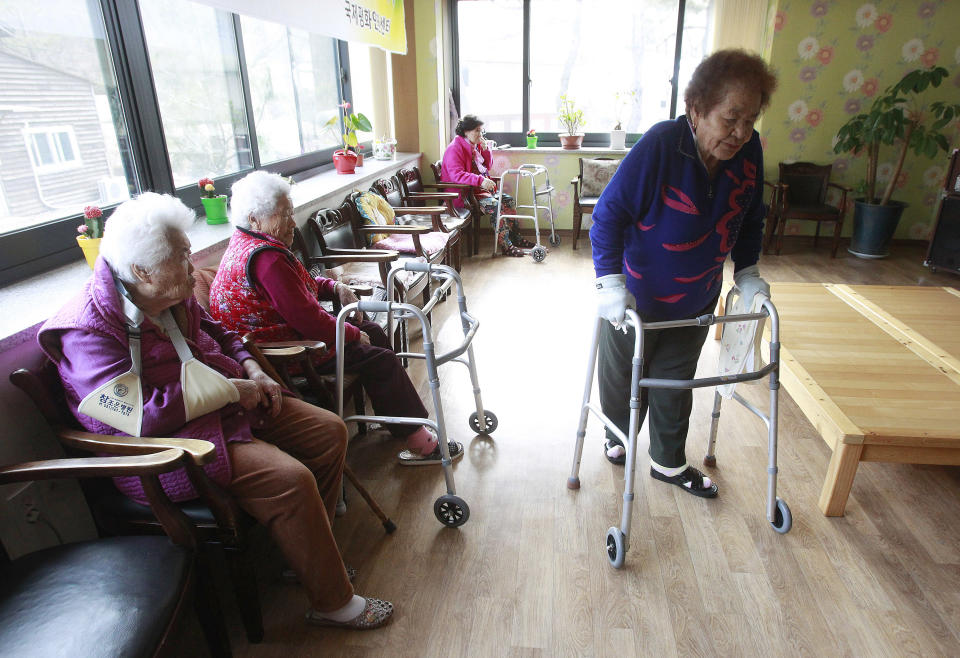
(138, 232)
(256, 195)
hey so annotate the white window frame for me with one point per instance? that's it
(52, 134)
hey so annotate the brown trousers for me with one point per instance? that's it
(289, 479)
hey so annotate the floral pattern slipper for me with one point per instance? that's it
(376, 613)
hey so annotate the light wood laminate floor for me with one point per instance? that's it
(528, 576)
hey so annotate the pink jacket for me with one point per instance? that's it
(460, 165)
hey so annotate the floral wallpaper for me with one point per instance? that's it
(832, 58)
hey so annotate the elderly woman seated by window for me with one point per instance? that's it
(138, 356)
(263, 289)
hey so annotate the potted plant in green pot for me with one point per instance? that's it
(214, 205)
(531, 139)
(572, 119)
(345, 159)
(896, 117)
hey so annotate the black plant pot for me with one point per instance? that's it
(873, 226)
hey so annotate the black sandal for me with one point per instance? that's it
(691, 476)
(516, 252)
(609, 445)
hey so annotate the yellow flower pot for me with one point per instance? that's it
(90, 247)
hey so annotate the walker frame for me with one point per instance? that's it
(777, 511)
(450, 509)
(528, 172)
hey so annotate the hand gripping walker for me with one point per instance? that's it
(450, 509)
(778, 513)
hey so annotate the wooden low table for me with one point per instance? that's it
(876, 369)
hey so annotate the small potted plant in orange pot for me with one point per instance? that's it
(572, 120)
(90, 233)
(214, 205)
(345, 159)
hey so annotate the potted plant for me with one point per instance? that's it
(572, 120)
(618, 136)
(345, 159)
(90, 233)
(214, 205)
(531, 139)
(896, 117)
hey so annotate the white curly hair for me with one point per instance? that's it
(138, 233)
(256, 195)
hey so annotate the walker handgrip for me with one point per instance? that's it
(416, 266)
(370, 306)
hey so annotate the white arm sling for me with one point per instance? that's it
(119, 402)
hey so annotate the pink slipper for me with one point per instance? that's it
(422, 442)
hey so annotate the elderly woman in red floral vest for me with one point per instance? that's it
(263, 289)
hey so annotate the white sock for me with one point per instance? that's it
(347, 612)
(671, 472)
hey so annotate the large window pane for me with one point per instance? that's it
(193, 54)
(62, 137)
(609, 46)
(293, 87)
(491, 59)
(697, 31)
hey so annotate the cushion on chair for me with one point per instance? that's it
(589, 200)
(369, 274)
(596, 175)
(374, 211)
(107, 597)
(432, 243)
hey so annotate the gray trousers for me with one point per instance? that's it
(667, 354)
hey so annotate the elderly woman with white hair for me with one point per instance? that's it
(262, 289)
(138, 356)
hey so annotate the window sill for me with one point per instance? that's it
(583, 150)
(28, 303)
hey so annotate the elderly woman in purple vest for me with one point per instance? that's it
(263, 289)
(687, 195)
(138, 356)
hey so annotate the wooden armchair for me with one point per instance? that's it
(594, 175)
(439, 218)
(803, 195)
(118, 596)
(416, 193)
(221, 525)
(469, 200)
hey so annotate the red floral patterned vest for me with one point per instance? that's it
(235, 301)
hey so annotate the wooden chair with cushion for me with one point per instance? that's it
(803, 196)
(594, 175)
(411, 211)
(118, 596)
(469, 199)
(417, 193)
(221, 525)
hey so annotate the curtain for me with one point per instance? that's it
(739, 24)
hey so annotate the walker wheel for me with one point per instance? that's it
(538, 253)
(491, 422)
(554, 239)
(782, 519)
(452, 511)
(615, 547)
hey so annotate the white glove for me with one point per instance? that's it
(613, 299)
(750, 284)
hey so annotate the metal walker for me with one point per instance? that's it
(529, 172)
(450, 509)
(777, 511)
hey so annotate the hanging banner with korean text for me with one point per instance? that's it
(377, 23)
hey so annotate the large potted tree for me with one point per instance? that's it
(896, 118)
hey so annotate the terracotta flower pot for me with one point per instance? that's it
(345, 161)
(571, 142)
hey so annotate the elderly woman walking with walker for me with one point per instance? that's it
(139, 356)
(688, 194)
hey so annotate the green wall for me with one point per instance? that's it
(832, 57)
